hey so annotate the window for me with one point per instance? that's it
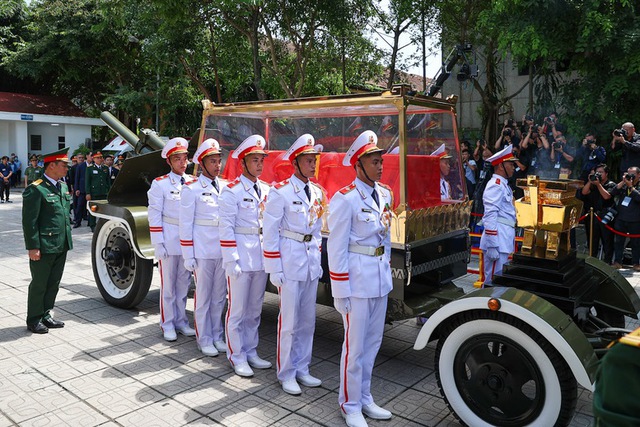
(36, 143)
(61, 140)
(61, 145)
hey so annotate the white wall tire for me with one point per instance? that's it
(494, 369)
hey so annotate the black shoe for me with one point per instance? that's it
(77, 225)
(52, 323)
(93, 229)
(38, 328)
(9, 201)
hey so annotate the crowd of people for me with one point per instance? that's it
(543, 150)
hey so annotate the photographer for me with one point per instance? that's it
(627, 140)
(552, 128)
(536, 146)
(508, 136)
(596, 195)
(470, 169)
(561, 155)
(591, 155)
(628, 217)
(521, 162)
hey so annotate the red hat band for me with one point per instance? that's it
(361, 151)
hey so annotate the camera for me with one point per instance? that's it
(511, 122)
(595, 177)
(620, 132)
(506, 132)
(630, 176)
(548, 120)
(609, 216)
(557, 145)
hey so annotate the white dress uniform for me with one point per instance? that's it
(241, 241)
(200, 240)
(499, 218)
(359, 251)
(445, 187)
(164, 219)
(292, 244)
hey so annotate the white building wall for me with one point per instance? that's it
(75, 135)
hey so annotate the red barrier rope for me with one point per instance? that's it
(614, 231)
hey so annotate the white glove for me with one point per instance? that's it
(277, 279)
(161, 251)
(190, 264)
(343, 305)
(232, 269)
(492, 254)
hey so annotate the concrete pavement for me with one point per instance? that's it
(111, 367)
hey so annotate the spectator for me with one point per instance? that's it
(596, 195)
(561, 155)
(17, 171)
(470, 169)
(121, 158)
(627, 218)
(627, 140)
(536, 146)
(552, 127)
(5, 180)
(508, 136)
(591, 155)
(481, 144)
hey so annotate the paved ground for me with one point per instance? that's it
(111, 367)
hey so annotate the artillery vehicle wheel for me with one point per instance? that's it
(123, 278)
(494, 369)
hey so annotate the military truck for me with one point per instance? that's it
(509, 355)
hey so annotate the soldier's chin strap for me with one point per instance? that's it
(297, 166)
(209, 173)
(246, 168)
(505, 171)
(365, 171)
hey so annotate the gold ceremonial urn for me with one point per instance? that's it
(547, 212)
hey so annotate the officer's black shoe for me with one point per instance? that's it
(52, 323)
(38, 328)
(9, 201)
(77, 225)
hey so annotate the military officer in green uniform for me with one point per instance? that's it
(97, 183)
(33, 171)
(47, 236)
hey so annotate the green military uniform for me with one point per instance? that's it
(97, 183)
(616, 400)
(33, 174)
(45, 225)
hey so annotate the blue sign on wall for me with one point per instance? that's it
(26, 116)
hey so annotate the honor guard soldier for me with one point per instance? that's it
(615, 399)
(97, 183)
(47, 236)
(359, 250)
(241, 207)
(164, 214)
(33, 171)
(445, 168)
(499, 218)
(200, 243)
(292, 241)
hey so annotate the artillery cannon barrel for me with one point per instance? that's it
(149, 142)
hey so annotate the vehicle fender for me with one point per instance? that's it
(552, 323)
(133, 218)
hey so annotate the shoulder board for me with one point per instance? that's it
(384, 186)
(160, 178)
(191, 182)
(347, 189)
(498, 181)
(37, 182)
(234, 183)
(281, 184)
(263, 182)
(189, 178)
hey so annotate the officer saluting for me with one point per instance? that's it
(200, 243)
(359, 249)
(292, 241)
(164, 214)
(499, 218)
(47, 236)
(241, 206)
(96, 183)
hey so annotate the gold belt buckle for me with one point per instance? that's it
(306, 238)
(379, 251)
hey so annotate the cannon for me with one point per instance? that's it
(509, 354)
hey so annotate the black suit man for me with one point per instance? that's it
(80, 193)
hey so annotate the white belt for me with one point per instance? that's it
(170, 220)
(298, 237)
(506, 221)
(367, 250)
(248, 230)
(206, 222)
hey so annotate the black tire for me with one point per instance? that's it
(496, 370)
(123, 278)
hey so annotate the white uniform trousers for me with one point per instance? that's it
(492, 267)
(174, 287)
(208, 301)
(296, 325)
(364, 326)
(245, 295)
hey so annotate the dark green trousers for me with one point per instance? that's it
(45, 282)
(92, 219)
